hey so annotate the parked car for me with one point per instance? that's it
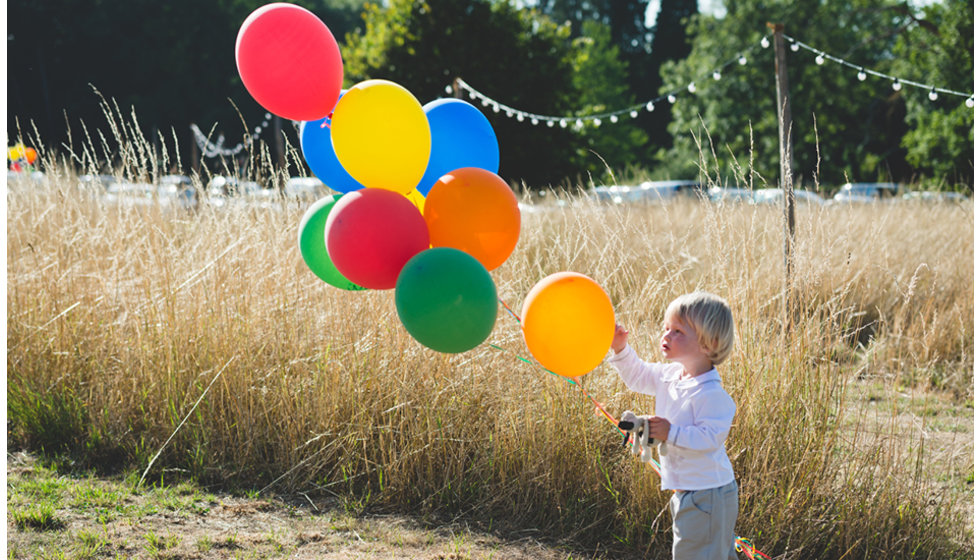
(935, 196)
(180, 188)
(614, 194)
(725, 194)
(229, 192)
(865, 192)
(645, 192)
(220, 185)
(305, 188)
(658, 191)
(775, 196)
(99, 183)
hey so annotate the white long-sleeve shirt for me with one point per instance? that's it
(700, 413)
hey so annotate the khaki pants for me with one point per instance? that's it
(704, 523)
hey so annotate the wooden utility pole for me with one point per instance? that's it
(457, 91)
(785, 157)
(280, 144)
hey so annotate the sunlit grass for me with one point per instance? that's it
(119, 318)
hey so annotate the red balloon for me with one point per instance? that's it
(370, 235)
(289, 62)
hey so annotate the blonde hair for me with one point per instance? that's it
(711, 318)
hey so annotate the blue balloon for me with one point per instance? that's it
(320, 156)
(461, 137)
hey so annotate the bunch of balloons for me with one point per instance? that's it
(420, 208)
(21, 157)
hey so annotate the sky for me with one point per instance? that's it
(717, 8)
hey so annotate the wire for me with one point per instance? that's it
(864, 72)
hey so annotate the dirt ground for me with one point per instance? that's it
(53, 516)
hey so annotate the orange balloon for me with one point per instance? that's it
(474, 210)
(568, 323)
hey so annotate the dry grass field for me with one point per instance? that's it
(200, 345)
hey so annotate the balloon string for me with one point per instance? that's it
(509, 310)
(741, 543)
(744, 546)
(600, 410)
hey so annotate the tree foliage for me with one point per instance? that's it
(515, 56)
(602, 78)
(843, 128)
(172, 62)
(939, 51)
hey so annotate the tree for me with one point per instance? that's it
(938, 50)
(172, 62)
(671, 42)
(514, 56)
(843, 128)
(601, 77)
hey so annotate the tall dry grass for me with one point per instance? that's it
(121, 318)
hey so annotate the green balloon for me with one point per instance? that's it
(314, 248)
(446, 299)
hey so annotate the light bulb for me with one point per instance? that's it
(258, 130)
(634, 114)
(969, 102)
(742, 60)
(933, 95)
(597, 122)
(534, 121)
(716, 75)
(551, 124)
(613, 119)
(563, 123)
(819, 59)
(764, 42)
(520, 117)
(896, 85)
(671, 98)
(691, 87)
(449, 89)
(794, 47)
(862, 76)
(578, 123)
(472, 95)
(650, 106)
(496, 108)
(485, 103)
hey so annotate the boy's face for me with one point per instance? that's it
(679, 342)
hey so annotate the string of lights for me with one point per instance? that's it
(863, 73)
(217, 148)
(597, 119)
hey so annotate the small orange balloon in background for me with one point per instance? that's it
(568, 322)
(474, 210)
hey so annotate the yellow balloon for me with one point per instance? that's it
(381, 136)
(418, 199)
(568, 323)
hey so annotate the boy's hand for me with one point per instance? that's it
(619, 339)
(659, 428)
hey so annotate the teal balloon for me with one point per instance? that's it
(313, 247)
(446, 300)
